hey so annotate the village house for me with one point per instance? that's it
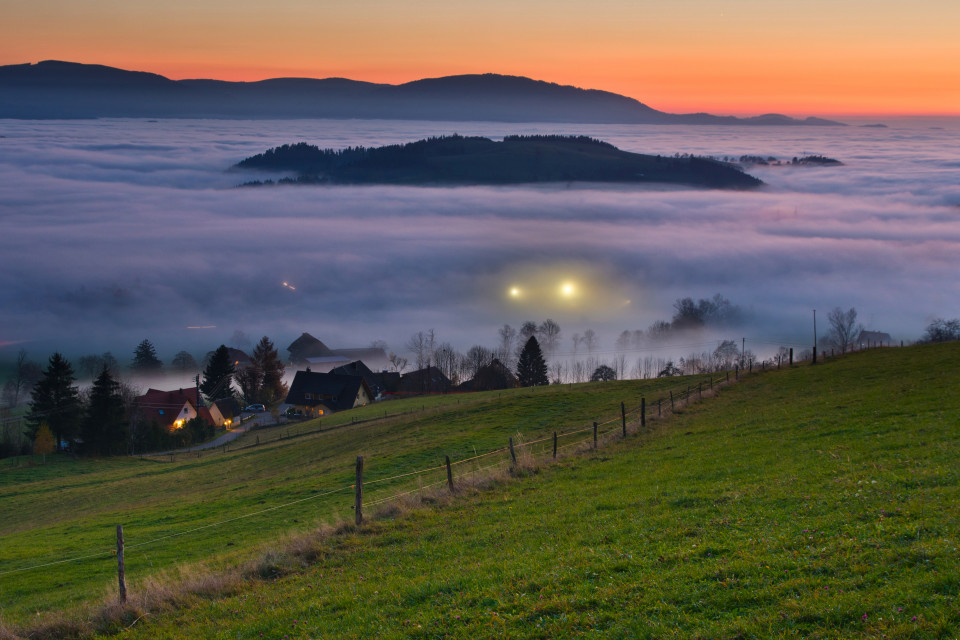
(169, 409)
(379, 383)
(316, 394)
(307, 351)
(422, 381)
(172, 409)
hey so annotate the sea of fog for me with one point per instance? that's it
(112, 231)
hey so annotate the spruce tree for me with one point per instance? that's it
(531, 367)
(56, 402)
(145, 358)
(218, 375)
(104, 428)
(267, 362)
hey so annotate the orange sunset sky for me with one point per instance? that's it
(838, 57)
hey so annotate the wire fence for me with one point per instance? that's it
(429, 481)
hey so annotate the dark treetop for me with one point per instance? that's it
(474, 160)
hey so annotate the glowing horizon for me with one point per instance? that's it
(747, 57)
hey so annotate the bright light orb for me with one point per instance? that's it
(567, 290)
(514, 292)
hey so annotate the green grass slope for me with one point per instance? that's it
(217, 507)
(820, 502)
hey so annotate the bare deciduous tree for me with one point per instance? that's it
(549, 335)
(447, 359)
(590, 340)
(399, 363)
(421, 345)
(477, 357)
(25, 375)
(844, 328)
(505, 352)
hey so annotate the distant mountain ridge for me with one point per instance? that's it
(55, 89)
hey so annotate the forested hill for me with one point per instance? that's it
(480, 161)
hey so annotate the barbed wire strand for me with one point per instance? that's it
(686, 394)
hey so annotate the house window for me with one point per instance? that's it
(308, 396)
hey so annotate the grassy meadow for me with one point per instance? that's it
(817, 502)
(187, 511)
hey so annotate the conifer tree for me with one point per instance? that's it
(145, 358)
(531, 367)
(56, 402)
(104, 428)
(267, 362)
(218, 375)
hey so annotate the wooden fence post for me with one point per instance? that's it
(513, 454)
(736, 372)
(643, 412)
(358, 496)
(554, 445)
(623, 419)
(594, 435)
(659, 402)
(791, 356)
(121, 578)
(728, 375)
(700, 391)
(671, 400)
(449, 475)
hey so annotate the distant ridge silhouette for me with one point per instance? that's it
(55, 89)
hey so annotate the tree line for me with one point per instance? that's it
(105, 418)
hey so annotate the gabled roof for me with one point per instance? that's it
(336, 392)
(306, 346)
(238, 358)
(491, 376)
(358, 368)
(165, 406)
(429, 380)
(228, 407)
(373, 357)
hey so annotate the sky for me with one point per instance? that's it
(119, 230)
(817, 57)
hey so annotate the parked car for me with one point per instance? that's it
(254, 408)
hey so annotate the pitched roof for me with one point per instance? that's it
(491, 376)
(306, 346)
(426, 380)
(337, 392)
(358, 368)
(238, 357)
(165, 406)
(228, 407)
(373, 357)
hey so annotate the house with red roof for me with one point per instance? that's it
(171, 409)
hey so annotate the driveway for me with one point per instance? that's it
(257, 420)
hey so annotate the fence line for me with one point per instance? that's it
(683, 395)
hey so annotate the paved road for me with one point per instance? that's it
(258, 419)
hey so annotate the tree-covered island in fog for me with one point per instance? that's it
(461, 160)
